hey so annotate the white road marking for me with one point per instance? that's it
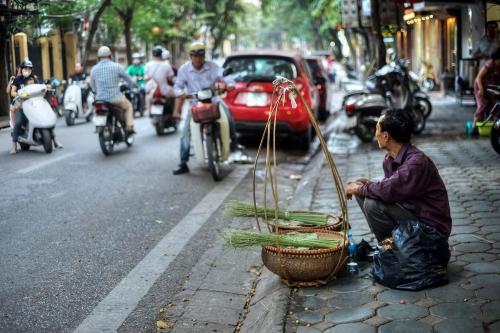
(114, 309)
(44, 163)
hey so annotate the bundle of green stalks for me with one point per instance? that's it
(243, 209)
(239, 238)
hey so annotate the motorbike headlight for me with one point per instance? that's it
(204, 94)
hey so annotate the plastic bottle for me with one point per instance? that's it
(352, 265)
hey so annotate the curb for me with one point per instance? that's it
(4, 124)
(268, 309)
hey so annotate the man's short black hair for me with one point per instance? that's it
(399, 124)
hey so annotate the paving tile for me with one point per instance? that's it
(377, 321)
(350, 299)
(472, 247)
(462, 238)
(342, 316)
(309, 317)
(478, 257)
(406, 326)
(491, 311)
(428, 302)
(493, 237)
(395, 296)
(323, 326)
(461, 220)
(483, 267)
(345, 284)
(456, 310)
(431, 320)
(489, 281)
(402, 311)
(494, 327)
(491, 228)
(450, 292)
(464, 229)
(487, 221)
(312, 302)
(305, 329)
(375, 305)
(486, 215)
(459, 325)
(351, 328)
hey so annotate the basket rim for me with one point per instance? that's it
(282, 250)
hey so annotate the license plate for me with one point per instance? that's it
(256, 99)
(100, 120)
(157, 109)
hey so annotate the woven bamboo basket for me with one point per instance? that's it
(337, 225)
(306, 268)
(298, 267)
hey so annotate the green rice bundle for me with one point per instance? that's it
(239, 238)
(241, 209)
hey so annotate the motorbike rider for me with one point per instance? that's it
(193, 76)
(27, 77)
(158, 74)
(80, 75)
(136, 72)
(105, 78)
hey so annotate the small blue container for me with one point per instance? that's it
(469, 126)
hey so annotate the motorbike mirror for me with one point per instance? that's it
(227, 71)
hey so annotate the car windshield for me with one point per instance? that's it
(247, 69)
(314, 66)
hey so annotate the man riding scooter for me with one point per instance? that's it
(105, 79)
(81, 76)
(136, 72)
(194, 76)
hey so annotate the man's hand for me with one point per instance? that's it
(353, 187)
(220, 86)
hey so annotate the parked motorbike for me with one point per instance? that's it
(41, 118)
(389, 87)
(134, 96)
(494, 116)
(110, 127)
(73, 108)
(209, 131)
(52, 95)
(161, 114)
(427, 78)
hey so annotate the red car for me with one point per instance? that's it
(253, 73)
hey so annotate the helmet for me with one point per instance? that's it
(165, 55)
(26, 64)
(197, 49)
(157, 51)
(103, 52)
(136, 55)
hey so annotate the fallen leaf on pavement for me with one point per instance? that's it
(162, 324)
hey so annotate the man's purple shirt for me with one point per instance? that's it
(413, 181)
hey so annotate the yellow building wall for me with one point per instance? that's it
(45, 57)
(70, 44)
(21, 40)
(55, 43)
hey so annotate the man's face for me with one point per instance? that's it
(381, 136)
(78, 68)
(198, 61)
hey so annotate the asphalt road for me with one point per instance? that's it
(75, 223)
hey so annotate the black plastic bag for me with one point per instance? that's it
(417, 260)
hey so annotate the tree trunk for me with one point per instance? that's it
(337, 50)
(4, 98)
(93, 29)
(377, 35)
(127, 22)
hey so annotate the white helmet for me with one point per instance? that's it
(165, 55)
(103, 52)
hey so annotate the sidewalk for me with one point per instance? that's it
(471, 300)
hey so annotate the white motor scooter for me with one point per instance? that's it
(41, 118)
(209, 132)
(73, 108)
